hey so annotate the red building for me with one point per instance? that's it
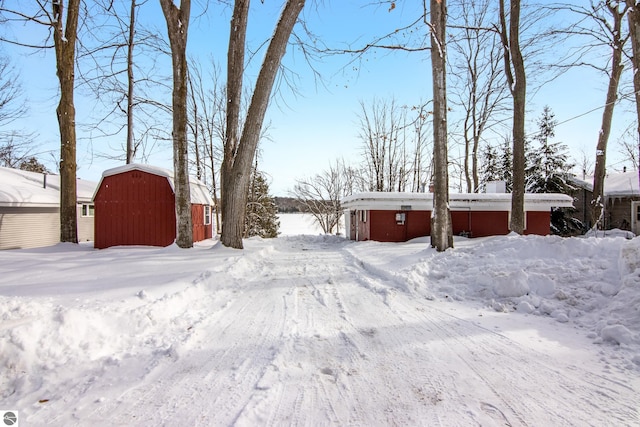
(398, 217)
(135, 205)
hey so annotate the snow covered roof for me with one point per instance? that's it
(199, 191)
(457, 201)
(22, 188)
(615, 184)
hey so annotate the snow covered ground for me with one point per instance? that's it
(317, 330)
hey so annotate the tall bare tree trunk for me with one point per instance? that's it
(597, 203)
(236, 174)
(441, 232)
(633, 15)
(516, 77)
(235, 74)
(177, 26)
(64, 37)
(130, 83)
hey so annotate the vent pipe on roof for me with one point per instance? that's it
(44, 180)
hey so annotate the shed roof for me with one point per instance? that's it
(615, 184)
(457, 201)
(198, 190)
(20, 188)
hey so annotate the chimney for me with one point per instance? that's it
(44, 180)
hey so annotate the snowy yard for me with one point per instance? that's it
(317, 330)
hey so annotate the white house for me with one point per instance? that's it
(30, 209)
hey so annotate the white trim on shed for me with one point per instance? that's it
(198, 190)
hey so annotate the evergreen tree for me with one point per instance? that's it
(491, 168)
(261, 213)
(506, 165)
(32, 165)
(548, 169)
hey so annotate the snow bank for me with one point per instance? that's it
(593, 283)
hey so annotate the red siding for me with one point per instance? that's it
(385, 228)
(200, 230)
(418, 224)
(538, 223)
(461, 222)
(134, 208)
(381, 225)
(489, 223)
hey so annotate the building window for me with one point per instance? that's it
(363, 216)
(87, 210)
(207, 215)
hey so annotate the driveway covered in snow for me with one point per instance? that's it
(316, 331)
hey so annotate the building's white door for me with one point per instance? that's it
(635, 217)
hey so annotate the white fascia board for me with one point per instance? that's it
(457, 201)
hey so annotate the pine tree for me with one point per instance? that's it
(506, 165)
(549, 168)
(32, 165)
(261, 213)
(491, 169)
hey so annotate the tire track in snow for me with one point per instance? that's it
(313, 311)
(232, 350)
(318, 338)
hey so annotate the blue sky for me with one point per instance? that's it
(319, 124)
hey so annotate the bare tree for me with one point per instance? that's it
(12, 105)
(479, 86)
(240, 148)
(394, 144)
(207, 126)
(120, 68)
(614, 31)
(598, 28)
(321, 196)
(628, 145)
(441, 231)
(16, 145)
(379, 132)
(65, 32)
(62, 19)
(516, 78)
(177, 28)
(633, 16)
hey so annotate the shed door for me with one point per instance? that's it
(635, 217)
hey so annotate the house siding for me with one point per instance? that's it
(42, 224)
(85, 226)
(538, 223)
(381, 225)
(618, 212)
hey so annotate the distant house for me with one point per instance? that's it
(135, 205)
(30, 209)
(621, 201)
(398, 217)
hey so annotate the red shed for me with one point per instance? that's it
(398, 217)
(135, 205)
